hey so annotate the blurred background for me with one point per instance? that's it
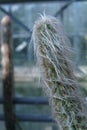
(73, 15)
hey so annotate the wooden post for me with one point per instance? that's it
(7, 72)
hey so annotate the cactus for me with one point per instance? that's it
(53, 51)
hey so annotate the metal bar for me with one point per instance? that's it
(18, 36)
(29, 100)
(15, 20)
(63, 8)
(32, 118)
(23, 1)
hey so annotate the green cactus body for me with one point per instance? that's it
(53, 57)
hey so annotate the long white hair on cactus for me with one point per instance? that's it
(53, 51)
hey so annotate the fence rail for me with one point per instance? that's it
(31, 118)
(23, 1)
(28, 100)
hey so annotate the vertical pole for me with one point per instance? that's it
(7, 72)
